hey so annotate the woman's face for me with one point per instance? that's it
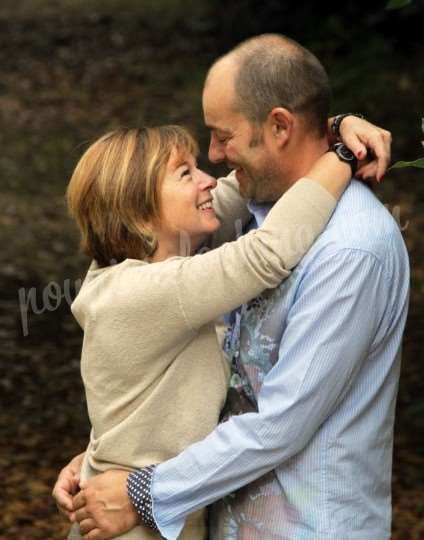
(187, 214)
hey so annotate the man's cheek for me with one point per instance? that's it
(231, 153)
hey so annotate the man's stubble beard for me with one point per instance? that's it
(265, 185)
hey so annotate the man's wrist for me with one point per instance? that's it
(139, 492)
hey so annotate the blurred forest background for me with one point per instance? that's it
(72, 69)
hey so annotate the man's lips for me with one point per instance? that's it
(232, 165)
(235, 166)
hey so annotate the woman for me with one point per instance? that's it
(152, 367)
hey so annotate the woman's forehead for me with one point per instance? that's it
(178, 157)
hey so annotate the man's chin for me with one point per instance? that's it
(246, 189)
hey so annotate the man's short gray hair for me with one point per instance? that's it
(275, 71)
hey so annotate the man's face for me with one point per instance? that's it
(239, 143)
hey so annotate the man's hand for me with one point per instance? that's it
(67, 485)
(103, 508)
(360, 137)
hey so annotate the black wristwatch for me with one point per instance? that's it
(344, 154)
(335, 124)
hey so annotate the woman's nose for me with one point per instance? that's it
(205, 180)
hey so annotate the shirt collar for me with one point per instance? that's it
(259, 210)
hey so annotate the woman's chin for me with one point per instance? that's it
(211, 224)
(215, 226)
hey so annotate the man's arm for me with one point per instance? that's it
(329, 332)
(328, 335)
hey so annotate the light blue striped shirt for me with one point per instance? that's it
(322, 355)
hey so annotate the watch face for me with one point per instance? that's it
(345, 153)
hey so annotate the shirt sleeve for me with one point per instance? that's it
(330, 329)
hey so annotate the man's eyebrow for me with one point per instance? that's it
(219, 129)
(210, 124)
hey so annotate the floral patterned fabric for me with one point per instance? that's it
(251, 345)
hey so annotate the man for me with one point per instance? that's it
(316, 361)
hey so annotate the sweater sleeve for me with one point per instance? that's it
(231, 210)
(211, 284)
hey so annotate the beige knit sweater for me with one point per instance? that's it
(152, 367)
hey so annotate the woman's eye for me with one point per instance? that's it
(185, 172)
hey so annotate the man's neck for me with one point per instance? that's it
(303, 156)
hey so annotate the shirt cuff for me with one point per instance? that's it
(165, 512)
(139, 485)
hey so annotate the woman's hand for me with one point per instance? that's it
(365, 139)
(67, 485)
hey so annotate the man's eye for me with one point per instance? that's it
(221, 138)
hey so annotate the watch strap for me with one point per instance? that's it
(337, 120)
(346, 155)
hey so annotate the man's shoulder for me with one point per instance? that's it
(361, 222)
(363, 228)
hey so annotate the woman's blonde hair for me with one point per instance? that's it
(113, 194)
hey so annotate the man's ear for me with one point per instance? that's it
(281, 121)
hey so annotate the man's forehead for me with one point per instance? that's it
(219, 121)
(219, 84)
(223, 69)
(217, 96)
(218, 110)
(224, 120)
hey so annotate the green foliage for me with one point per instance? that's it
(397, 4)
(417, 163)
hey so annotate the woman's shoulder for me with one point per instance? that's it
(131, 279)
(135, 280)
(132, 282)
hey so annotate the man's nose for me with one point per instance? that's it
(216, 152)
(205, 181)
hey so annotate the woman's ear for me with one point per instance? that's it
(281, 122)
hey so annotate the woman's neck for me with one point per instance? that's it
(181, 246)
(162, 253)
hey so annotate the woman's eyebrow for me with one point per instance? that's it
(178, 161)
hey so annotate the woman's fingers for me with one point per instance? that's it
(380, 142)
(95, 534)
(367, 171)
(63, 492)
(63, 500)
(79, 500)
(82, 514)
(365, 139)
